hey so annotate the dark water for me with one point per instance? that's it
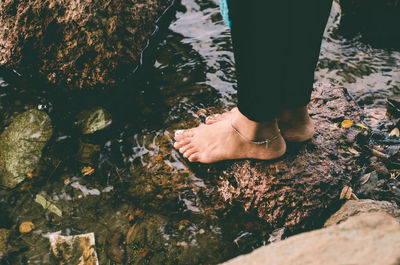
(137, 173)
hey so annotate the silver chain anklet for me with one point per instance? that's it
(266, 142)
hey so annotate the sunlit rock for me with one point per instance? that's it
(370, 238)
(21, 146)
(356, 207)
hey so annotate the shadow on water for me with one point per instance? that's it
(141, 186)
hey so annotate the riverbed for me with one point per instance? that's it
(138, 180)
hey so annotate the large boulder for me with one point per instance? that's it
(370, 238)
(356, 207)
(74, 43)
(303, 188)
(21, 146)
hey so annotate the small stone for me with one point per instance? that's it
(92, 120)
(26, 227)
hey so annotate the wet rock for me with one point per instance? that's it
(370, 238)
(4, 236)
(26, 227)
(158, 183)
(77, 44)
(93, 120)
(114, 249)
(352, 208)
(21, 146)
(301, 189)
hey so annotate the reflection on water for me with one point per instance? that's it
(141, 186)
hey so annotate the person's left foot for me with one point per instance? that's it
(219, 141)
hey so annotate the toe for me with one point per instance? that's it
(185, 148)
(194, 157)
(189, 152)
(182, 134)
(182, 143)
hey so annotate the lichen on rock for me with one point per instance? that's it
(21, 146)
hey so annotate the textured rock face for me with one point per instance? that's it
(21, 146)
(352, 208)
(297, 191)
(75, 43)
(370, 238)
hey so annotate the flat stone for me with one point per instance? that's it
(353, 207)
(21, 146)
(369, 238)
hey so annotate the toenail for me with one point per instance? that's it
(178, 132)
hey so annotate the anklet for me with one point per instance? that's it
(266, 142)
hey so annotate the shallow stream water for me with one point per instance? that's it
(139, 180)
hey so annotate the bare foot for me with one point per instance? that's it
(218, 141)
(295, 124)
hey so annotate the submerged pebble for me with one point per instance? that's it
(94, 119)
(26, 227)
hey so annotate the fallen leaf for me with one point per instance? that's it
(346, 124)
(354, 151)
(362, 126)
(48, 205)
(364, 179)
(395, 132)
(87, 171)
(346, 193)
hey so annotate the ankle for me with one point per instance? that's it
(257, 131)
(297, 114)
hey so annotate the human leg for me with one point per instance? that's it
(307, 23)
(258, 45)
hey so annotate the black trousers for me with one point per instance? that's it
(276, 45)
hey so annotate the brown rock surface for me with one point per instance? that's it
(352, 208)
(301, 189)
(370, 238)
(74, 43)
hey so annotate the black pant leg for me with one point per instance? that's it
(260, 42)
(308, 22)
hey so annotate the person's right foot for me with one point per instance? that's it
(295, 124)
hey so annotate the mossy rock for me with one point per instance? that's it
(21, 146)
(94, 119)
